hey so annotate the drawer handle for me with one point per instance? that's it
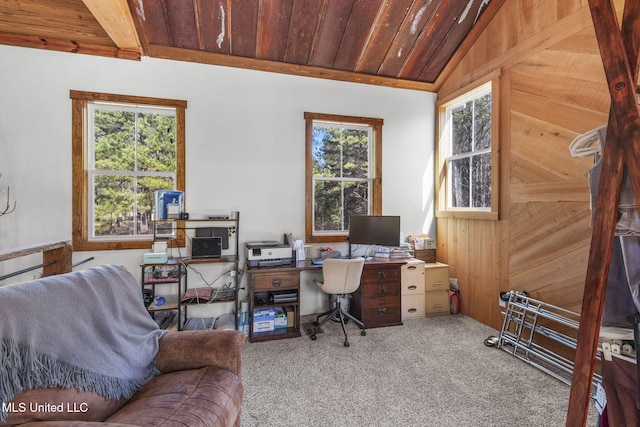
(382, 289)
(411, 267)
(438, 284)
(437, 306)
(382, 311)
(412, 310)
(382, 275)
(276, 282)
(412, 287)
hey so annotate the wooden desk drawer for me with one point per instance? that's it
(270, 282)
(380, 275)
(379, 289)
(381, 311)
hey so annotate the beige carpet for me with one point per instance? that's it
(428, 372)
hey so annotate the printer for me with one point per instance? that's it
(268, 253)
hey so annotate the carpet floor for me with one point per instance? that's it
(433, 371)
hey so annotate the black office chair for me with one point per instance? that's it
(341, 279)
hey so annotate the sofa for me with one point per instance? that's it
(80, 349)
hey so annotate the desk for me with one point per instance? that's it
(376, 303)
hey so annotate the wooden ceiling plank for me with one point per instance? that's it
(273, 27)
(416, 20)
(619, 51)
(243, 27)
(392, 14)
(356, 34)
(116, 19)
(150, 21)
(451, 44)
(213, 34)
(181, 21)
(304, 21)
(67, 46)
(69, 20)
(435, 36)
(333, 21)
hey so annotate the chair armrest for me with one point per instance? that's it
(196, 349)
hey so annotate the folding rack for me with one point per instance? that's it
(521, 326)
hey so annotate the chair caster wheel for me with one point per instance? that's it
(316, 323)
(314, 337)
(363, 333)
(346, 344)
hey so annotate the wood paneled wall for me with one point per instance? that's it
(553, 88)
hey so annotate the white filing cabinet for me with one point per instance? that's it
(413, 286)
(436, 276)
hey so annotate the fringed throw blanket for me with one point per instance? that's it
(87, 329)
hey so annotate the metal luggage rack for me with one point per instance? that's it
(521, 326)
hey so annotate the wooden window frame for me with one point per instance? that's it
(443, 211)
(376, 153)
(80, 161)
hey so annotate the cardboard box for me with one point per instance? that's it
(263, 320)
(280, 318)
(291, 316)
(426, 255)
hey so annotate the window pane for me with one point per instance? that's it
(460, 183)
(482, 117)
(356, 199)
(481, 176)
(145, 201)
(462, 128)
(114, 145)
(355, 153)
(157, 142)
(326, 152)
(113, 213)
(328, 206)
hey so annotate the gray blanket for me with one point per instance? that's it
(87, 329)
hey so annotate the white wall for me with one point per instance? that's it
(245, 142)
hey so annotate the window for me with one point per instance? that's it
(124, 149)
(343, 173)
(468, 155)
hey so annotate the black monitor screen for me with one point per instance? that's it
(374, 230)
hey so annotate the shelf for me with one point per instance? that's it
(175, 272)
(171, 303)
(276, 334)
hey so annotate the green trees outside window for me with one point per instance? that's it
(134, 155)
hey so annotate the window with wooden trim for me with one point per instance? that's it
(467, 154)
(343, 173)
(124, 149)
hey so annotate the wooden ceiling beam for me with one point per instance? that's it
(619, 51)
(67, 46)
(177, 54)
(115, 17)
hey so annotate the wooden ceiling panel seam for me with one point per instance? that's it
(331, 26)
(437, 62)
(316, 32)
(198, 19)
(407, 37)
(361, 23)
(434, 34)
(300, 37)
(378, 42)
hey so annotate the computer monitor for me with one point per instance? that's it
(374, 230)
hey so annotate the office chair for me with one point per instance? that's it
(341, 278)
